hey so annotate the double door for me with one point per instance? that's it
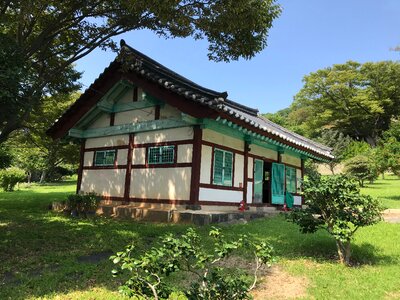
(269, 182)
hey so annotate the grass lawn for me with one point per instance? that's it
(387, 190)
(45, 255)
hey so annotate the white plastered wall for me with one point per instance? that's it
(263, 152)
(88, 159)
(221, 139)
(239, 167)
(161, 183)
(108, 141)
(109, 182)
(207, 194)
(122, 157)
(139, 156)
(127, 97)
(134, 116)
(169, 112)
(250, 163)
(291, 160)
(205, 166)
(102, 121)
(249, 192)
(185, 153)
(166, 135)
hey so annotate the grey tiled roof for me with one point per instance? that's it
(170, 80)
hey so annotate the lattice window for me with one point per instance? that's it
(105, 158)
(223, 163)
(161, 155)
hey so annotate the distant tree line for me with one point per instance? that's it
(354, 109)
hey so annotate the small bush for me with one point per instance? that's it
(188, 253)
(81, 204)
(10, 177)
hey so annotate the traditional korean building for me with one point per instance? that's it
(151, 136)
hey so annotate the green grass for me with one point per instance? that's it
(387, 190)
(39, 251)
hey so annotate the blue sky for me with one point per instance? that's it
(309, 35)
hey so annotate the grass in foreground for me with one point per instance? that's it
(43, 254)
(387, 190)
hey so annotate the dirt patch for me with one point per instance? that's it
(391, 215)
(278, 284)
(392, 295)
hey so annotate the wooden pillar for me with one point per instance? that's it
(112, 119)
(196, 164)
(80, 169)
(157, 112)
(128, 173)
(245, 170)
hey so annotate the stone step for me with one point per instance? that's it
(197, 217)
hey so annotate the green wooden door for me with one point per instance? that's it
(258, 180)
(278, 183)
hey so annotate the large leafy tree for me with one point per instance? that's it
(41, 39)
(355, 99)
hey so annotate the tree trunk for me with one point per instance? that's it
(29, 177)
(332, 167)
(43, 176)
(344, 252)
(383, 175)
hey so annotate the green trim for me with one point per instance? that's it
(227, 127)
(128, 128)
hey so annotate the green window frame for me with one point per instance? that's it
(291, 179)
(223, 167)
(161, 155)
(104, 158)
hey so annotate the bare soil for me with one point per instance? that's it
(278, 284)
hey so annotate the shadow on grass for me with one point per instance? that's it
(44, 253)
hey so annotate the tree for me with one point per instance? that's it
(40, 40)
(361, 168)
(34, 151)
(334, 203)
(358, 100)
(339, 143)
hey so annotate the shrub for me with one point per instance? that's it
(361, 168)
(81, 204)
(10, 177)
(335, 204)
(188, 253)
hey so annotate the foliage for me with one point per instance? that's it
(339, 143)
(311, 169)
(187, 253)
(40, 40)
(335, 204)
(356, 148)
(37, 153)
(10, 177)
(81, 204)
(5, 157)
(361, 168)
(40, 250)
(358, 100)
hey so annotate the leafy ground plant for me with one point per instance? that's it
(187, 253)
(335, 204)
